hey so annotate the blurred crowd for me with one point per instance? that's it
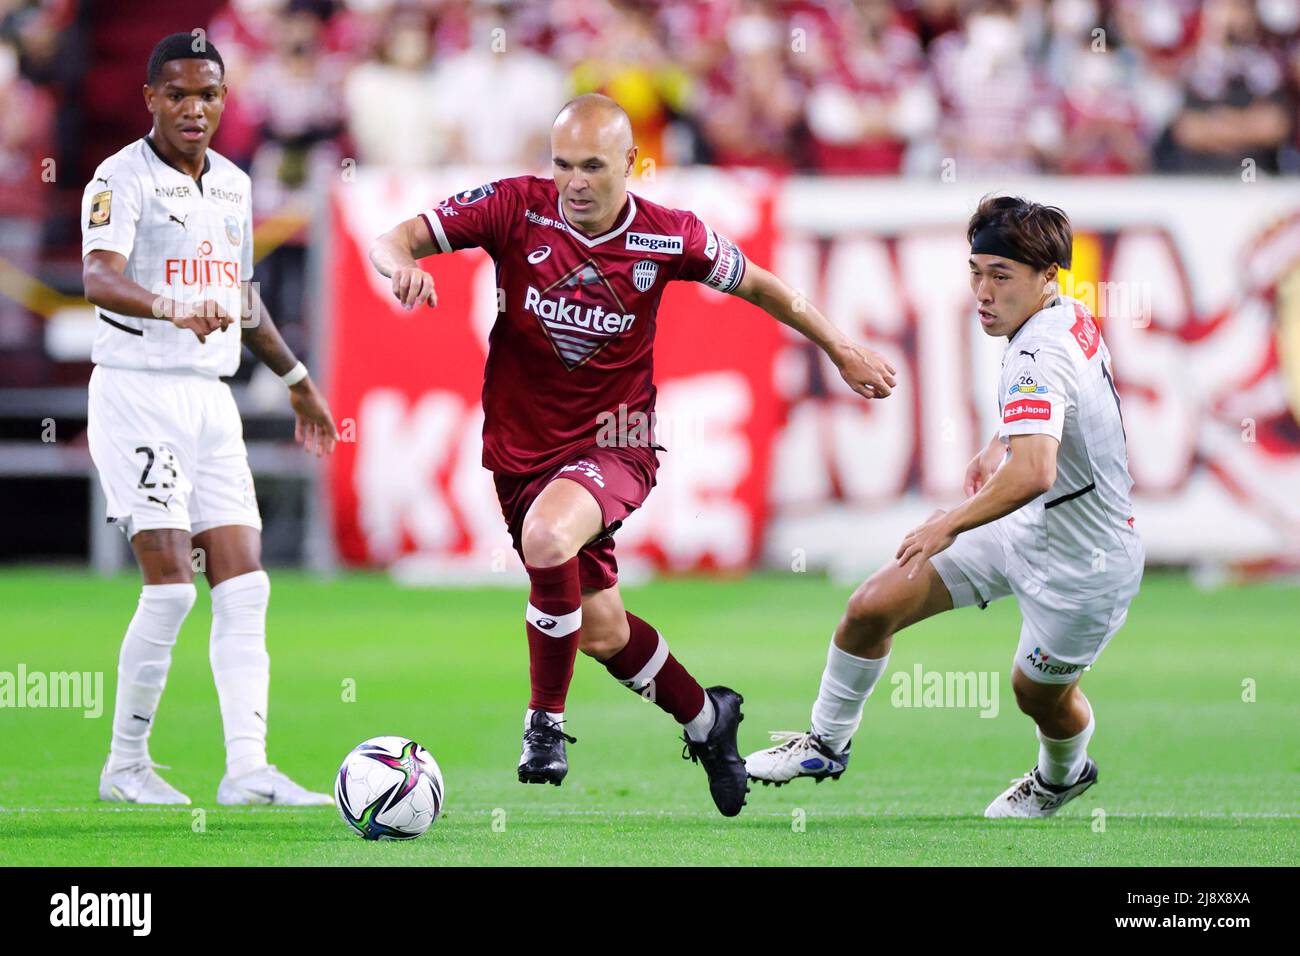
(852, 87)
(864, 87)
(833, 87)
(34, 80)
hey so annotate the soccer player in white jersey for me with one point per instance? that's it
(167, 251)
(1047, 518)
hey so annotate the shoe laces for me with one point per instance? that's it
(696, 750)
(546, 733)
(787, 740)
(1028, 787)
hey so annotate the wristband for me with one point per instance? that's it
(294, 375)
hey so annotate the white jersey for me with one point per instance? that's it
(184, 239)
(1079, 537)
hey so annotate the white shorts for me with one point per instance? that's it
(169, 448)
(1061, 633)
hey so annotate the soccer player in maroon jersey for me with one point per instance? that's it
(581, 266)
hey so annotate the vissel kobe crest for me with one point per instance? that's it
(644, 274)
(580, 313)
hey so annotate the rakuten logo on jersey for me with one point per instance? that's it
(562, 312)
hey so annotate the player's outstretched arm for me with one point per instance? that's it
(103, 276)
(1026, 474)
(314, 425)
(866, 372)
(394, 255)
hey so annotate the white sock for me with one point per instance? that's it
(1061, 762)
(846, 684)
(700, 726)
(241, 668)
(142, 668)
(555, 718)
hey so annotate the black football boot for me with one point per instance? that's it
(543, 759)
(722, 761)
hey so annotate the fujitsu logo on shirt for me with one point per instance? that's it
(202, 272)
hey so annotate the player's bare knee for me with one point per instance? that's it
(545, 543)
(870, 616)
(229, 551)
(1039, 701)
(1029, 705)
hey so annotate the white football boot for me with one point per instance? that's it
(1032, 796)
(138, 783)
(268, 786)
(797, 754)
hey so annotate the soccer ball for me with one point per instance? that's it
(389, 788)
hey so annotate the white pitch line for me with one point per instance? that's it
(612, 814)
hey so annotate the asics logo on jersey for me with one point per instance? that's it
(177, 219)
(539, 254)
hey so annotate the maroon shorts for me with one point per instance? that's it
(618, 478)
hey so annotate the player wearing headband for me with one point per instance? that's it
(1047, 518)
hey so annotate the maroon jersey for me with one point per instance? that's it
(575, 326)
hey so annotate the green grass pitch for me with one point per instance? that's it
(1190, 772)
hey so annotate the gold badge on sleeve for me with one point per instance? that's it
(101, 207)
